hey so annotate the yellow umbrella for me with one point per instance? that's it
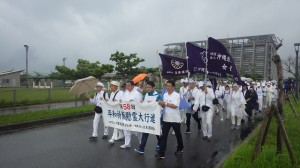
(84, 85)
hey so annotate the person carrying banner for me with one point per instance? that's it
(151, 96)
(204, 101)
(183, 92)
(171, 118)
(130, 94)
(193, 91)
(115, 95)
(99, 95)
(237, 107)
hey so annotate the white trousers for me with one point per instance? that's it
(96, 123)
(260, 103)
(238, 120)
(128, 137)
(117, 134)
(227, 108)
(207, 122)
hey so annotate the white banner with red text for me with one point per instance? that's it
(133, 116)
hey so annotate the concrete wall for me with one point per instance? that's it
(10, 80)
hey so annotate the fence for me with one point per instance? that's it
(24, 96)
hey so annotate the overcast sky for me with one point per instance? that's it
(93, 30)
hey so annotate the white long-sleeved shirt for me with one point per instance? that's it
(98, 97)
(118, 96)
(183, 92)
(131, 95)
(193, 93)
(204, 99)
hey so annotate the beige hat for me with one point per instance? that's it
(208, 83)
(115, 83)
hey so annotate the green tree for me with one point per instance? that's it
(126, 64)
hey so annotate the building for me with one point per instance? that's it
(10, 78)
(251, 54)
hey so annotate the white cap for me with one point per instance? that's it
(258, 84)
(200, 84)
(100, 84)
(234, 85)
(208, 83)
(192, 81)
(263, 84)
(224, 81)
(114, 83)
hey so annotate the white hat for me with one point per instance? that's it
(208, 83)
(224, 81)
(192, 81)
(263, 84)
(258, 84)
(100, 84)
(200, 84)
(114, 83)
(234, 85)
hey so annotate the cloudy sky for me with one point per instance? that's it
(93, 30)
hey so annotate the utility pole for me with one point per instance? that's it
(64, 61)
(296, 45)
(27, 48)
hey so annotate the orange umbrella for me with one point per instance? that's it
(139, 77)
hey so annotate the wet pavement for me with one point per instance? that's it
(67, 145)
(20, 109)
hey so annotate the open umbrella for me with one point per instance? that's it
(84, 85)
(139, 77)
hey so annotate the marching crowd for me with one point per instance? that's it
(206, 99)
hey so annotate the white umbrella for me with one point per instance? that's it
(84, 85)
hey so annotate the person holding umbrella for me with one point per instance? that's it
(99, 95)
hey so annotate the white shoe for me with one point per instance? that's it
(221, 119)
(173, 133)
(119, 138)
(125, 146)
(111, 141)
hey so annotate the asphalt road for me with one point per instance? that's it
(67, 146)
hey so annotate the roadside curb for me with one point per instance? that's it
(44, 122)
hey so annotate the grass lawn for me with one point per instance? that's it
(241, 156)
(43, 114)
(25, 96)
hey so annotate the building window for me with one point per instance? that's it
(4, 81)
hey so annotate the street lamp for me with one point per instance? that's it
(26, 48)
(296, 45)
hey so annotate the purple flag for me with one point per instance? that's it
(220, 62)
(173, 65)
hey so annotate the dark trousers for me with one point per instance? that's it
(196, 118)
(145, 138)
(165, 131)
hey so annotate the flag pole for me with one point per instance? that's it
(187, 63)
(160, 70)
(206, 62)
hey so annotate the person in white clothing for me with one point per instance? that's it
(219, 93)
(204, 99)
(259, 92)
(130, 94)
(115, 95)
(171, 118)
(183, 92)
(227, 102)
(99, 95)
(269, 94)
(193, 91)
(237, 107)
